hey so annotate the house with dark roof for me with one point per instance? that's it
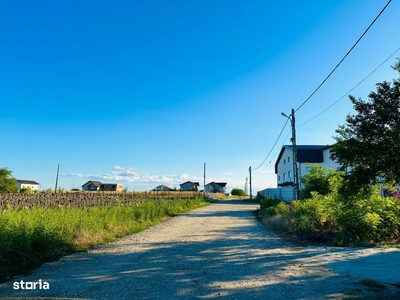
(216, 187)
(189, 186)
(93, 185)
(306, 154)
(163, 188)
(24, 184)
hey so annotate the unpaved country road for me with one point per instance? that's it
(218, 251)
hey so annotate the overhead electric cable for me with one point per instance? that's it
(273, 145)
(344, 57)
(350, 89)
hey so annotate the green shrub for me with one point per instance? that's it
(372, 219)
(269, 202)
(25, 190)
(320, 180)
(365, 218)
(238, 192)
(282, 208)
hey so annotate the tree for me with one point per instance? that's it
(369, 142)
(238, 192)
(8, 184)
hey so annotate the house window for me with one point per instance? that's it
(284, 176)
(289, 174)
(288, 159)
(284, 161)
(279, 178)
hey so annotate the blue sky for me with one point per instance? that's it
(145, 92)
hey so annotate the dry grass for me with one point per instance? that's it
(279, 223)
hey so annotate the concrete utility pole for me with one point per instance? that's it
(250, 184)
(204, 189)
(295, 169)
(58, 170)
(294, 146)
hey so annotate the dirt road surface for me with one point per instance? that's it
(218, 251)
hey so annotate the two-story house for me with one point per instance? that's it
(306, 154)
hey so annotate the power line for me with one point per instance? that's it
(273, 145)
(350, 89)
(344, 57)
(283, 143)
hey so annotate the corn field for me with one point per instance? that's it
(87, 199)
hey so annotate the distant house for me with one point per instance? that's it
(24, 184)
(215, 187)
(98, 186)
(111, 187)
(162, 188)
(189, 186)
(91, 186)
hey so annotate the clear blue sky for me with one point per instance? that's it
(144, 92)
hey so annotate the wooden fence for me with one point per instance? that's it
(87, 199)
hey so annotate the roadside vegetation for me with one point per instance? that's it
(328, 216)
(33, 235)
(238, 192)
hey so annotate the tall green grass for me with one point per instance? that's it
(365, 220)
(31, 236)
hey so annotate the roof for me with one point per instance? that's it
(95, 183)
(162, 187)
(305, 153)
(221, 184)
(194, 183)
(27, 182)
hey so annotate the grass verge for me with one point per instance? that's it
(32, 236)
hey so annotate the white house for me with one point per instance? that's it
(215, 187)
(23, 184)
(311, 154)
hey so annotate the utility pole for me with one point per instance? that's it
(295, 169)
(251, 196)
(204, 189)
(58, 170)
(294, 147)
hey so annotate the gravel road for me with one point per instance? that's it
(217, 251)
